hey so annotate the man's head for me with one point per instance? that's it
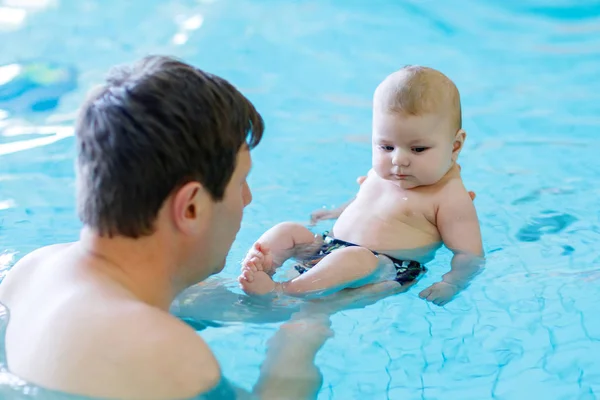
(161, 136)
(417, 126)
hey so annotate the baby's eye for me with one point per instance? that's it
(419, 149)
(386, 148)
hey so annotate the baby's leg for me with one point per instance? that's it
(277, 245)
(344, 268)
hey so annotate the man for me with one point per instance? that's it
(163, 152)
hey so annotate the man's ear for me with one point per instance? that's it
(190, 205)
(459, 141)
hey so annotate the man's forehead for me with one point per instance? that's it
(244, 159)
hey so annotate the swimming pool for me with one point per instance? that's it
(527, 72)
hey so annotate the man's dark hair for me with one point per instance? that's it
(151, 128)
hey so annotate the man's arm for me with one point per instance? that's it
(289, 371)
(459, 228)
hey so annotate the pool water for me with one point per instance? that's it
(527, 72)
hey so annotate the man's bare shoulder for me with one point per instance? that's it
(165, 353)
(140, 351)
(39, 255)
(27, 266)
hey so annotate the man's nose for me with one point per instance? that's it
(247, 195)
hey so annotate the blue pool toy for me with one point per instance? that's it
(34, 86)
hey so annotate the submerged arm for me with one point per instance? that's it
(289, 370)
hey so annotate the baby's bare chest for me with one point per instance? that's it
(391, 203)
(388, 220)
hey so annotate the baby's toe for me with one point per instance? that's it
(247, 275)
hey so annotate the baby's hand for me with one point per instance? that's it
(439, 293)
(323, 214)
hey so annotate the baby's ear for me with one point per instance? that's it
(459, 141)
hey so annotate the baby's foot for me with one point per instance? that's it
(259, 258)
(257, 283)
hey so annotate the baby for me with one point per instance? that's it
(412, 201)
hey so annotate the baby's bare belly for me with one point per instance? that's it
(395, 238)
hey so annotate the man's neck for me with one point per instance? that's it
(141, 266)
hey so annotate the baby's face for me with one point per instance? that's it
(413, 151)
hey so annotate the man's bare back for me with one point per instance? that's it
(105, 340)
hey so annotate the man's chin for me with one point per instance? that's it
(219, 268)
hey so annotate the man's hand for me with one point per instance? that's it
(471, 194)
(440, 293)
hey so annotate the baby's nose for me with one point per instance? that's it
(401, 158)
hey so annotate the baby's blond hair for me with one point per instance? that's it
(416, 90)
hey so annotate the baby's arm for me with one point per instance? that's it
(324, 214)
(458, 225)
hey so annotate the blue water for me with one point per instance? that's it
(528, 75)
